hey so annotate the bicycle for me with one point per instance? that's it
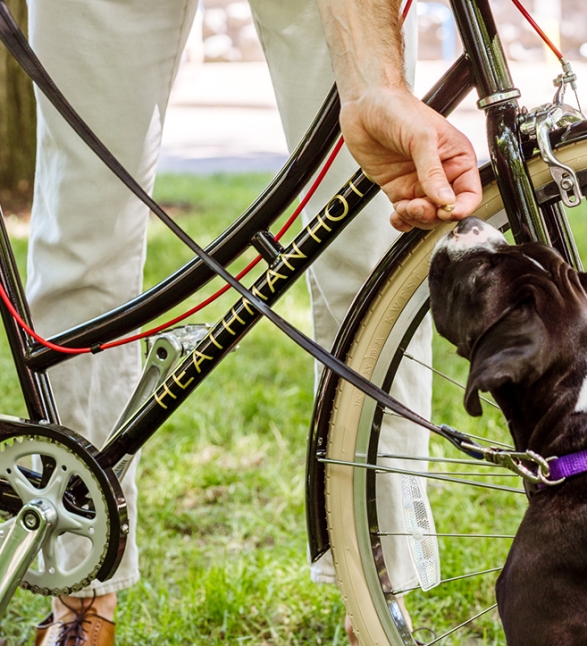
(537, 166)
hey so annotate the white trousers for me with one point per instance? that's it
(115, 62)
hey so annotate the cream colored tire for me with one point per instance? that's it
(375, 618)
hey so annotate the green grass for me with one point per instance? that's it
(222, 527)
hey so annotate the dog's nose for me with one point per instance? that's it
(472, 232)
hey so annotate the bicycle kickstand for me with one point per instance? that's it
(21, 545)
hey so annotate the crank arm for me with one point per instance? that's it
(21, 546)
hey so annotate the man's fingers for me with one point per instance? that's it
(431, 175)
(403, 219)
(469, 193)
(399, 224)
(419, 210)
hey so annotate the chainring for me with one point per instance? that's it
(52, 463)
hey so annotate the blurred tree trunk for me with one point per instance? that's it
(17, 125)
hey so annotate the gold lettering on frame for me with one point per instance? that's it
(298, 254)
(272, 277)
(247, 305)
(211, 337)
(159, 401)
(237, 317)
(179, 383)
(227, 327)
(345, 209)
(321, 224)
(168, 392)
(355, 189)
(199, 358)
(257, 293)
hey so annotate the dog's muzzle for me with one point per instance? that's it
(470, 233)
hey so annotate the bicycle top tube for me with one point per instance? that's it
(443, 97)
(483, 65)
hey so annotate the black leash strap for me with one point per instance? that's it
(18, 46)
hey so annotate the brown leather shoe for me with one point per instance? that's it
(83, 629)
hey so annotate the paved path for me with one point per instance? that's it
(223, 116)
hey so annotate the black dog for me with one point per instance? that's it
(519, 315)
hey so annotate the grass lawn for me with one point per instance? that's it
(222, 526)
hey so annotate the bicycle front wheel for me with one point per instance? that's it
(383, 564)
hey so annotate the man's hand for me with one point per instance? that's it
(420, 161)
(425, 166)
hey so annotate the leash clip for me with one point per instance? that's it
(514, 461)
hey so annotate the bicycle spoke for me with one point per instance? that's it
(492, 442)
(479, 438)
(458, 384)
(477, 463)
(469, 575)
(465, 623)
(473, 474)
(447, 535)
(423, 474)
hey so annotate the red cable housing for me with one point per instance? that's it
(254, 263)
(197, 308)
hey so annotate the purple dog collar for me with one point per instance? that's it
(568, 465)
(560, 469)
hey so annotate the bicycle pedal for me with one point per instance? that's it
(184, 338)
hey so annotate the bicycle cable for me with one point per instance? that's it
(137, 337)
(555, 50)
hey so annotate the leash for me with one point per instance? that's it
(16, 43)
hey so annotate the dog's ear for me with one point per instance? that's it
(514, 350)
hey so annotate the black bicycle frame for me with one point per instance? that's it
(482, 66)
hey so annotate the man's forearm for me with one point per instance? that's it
(365, 42)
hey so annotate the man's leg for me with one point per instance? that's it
(115, 62)
(301, 71)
